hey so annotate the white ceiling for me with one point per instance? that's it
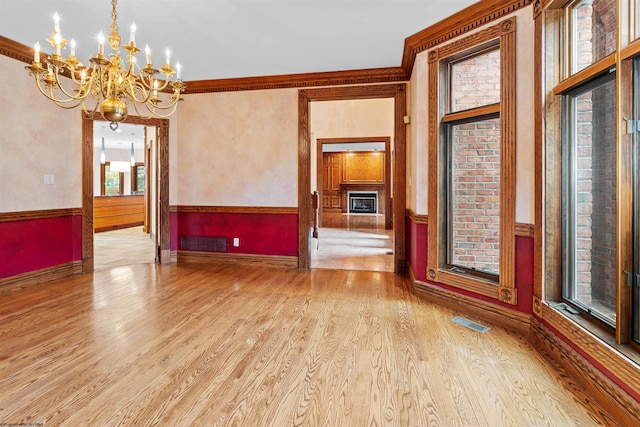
(215, 39)
(121, 138)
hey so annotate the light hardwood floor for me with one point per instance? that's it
(201, 345)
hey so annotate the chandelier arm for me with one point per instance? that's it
(132, 86)
(59, 85)
(154, 111)
(49, 94)
(86, 111)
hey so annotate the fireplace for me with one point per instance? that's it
(363, 202)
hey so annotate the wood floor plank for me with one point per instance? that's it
(223, 345)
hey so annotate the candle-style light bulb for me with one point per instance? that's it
(36, 52)
(178, 70)
(148, 52)
(168, 55)
(57, 40)
(101, 43)
(56, 23)
(132, 35)
(72, 43)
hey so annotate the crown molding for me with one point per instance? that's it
(468, 19)
(16, 50)
(331, 78)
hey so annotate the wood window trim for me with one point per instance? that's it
(587, 337)
(134, 176)
(103, 170)
(504, 35)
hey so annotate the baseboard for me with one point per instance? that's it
(597, 390)
(491, 313)
(16, 283)
(238, 259)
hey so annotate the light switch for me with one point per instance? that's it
(236, 242)
(48, 179)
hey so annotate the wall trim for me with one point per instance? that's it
(9, 285)
(475, 16)
(524, 230)
(248, 260)
(235, 209)
(505, 317)
(418, 218)
(601, 350)
(286, 81)
(590, 381)
(39, 214)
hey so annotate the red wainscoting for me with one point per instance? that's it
(416, 238)
(259, 233)
(34, 244)
(416, 241)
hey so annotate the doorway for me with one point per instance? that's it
(161, 245)
(355, 228)
(305, 97)
(125, 194)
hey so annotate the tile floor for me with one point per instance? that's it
(122, 247)
(353, 242)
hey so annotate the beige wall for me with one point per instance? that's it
(238, 149)
(348, 119)
(525, 180)
(36, 138)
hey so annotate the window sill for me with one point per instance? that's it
(596, 341)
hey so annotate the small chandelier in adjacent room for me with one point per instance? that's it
(107, 81)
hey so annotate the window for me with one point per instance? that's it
(112, 183)
(137, 179)
(589, 119)
(472, 190)
(473, 242)
(592, 26)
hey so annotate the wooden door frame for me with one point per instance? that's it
(388, 215)
(164, 253)
(305, 96)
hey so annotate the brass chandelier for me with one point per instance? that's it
(108, 81)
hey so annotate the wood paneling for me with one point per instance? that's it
(39, 214)
(331, 180)
(363, 168)
(114, 212)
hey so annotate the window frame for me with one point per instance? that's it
(569, 194)
(501, 36)
(103, 171)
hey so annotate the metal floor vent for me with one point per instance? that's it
(470, 324)
(203, 243)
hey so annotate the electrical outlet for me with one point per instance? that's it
(236, 242)
(49, 179)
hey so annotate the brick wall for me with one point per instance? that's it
(596, 164)
(476, 195)
(475, 216)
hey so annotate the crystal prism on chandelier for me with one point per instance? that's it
(107, 81)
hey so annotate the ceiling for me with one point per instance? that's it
(215, 39)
